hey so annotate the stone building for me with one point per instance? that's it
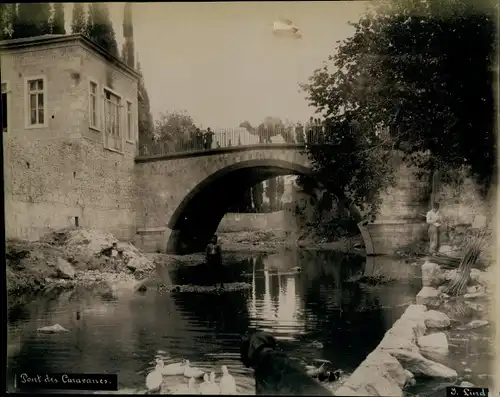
(70, 130)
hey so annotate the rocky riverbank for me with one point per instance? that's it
(436, 343)
(72, 257)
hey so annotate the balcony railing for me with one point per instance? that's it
(238, 137)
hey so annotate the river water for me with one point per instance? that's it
(123, 334)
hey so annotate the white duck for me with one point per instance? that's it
(174, 369)
(155, 378)
(189, 388)
(227, 382)
(214, 386)
(207, 387)
(192, 372)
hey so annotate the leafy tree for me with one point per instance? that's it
(78, 24)
(174, 129)
(57, 26)
(32, 19)
(100, 28)
(415, 76)
(258, 196)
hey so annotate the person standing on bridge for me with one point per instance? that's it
(433, 218)
(209, 137)
(213, 257)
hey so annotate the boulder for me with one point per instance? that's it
(474, 324)
(368, 380)
(52, 329)
(419, 365)
(436, 319)
(466, 384)
(450, 274)
(428, 296)
(446, 249)
(347, 391)
(406, 330)
(410, 379)
(431, 274)
(433, 344)
(64, 269)
(387, 364)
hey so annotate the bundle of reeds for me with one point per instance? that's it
(473, 248)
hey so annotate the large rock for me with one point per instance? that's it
(429, 296)
(387, 364)
(406, 330)
(433, 344)
(419, 365)
(373, 381)
(64, 269)
(431, 274)
(436, 319)
(347, 391)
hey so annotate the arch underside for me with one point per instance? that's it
(197, 217)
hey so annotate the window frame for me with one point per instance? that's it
(98, 126)
(8, 98)
(120, 119)
(130, 138)
(27, 109)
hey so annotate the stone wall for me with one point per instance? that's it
(50, 182)
(60, 171)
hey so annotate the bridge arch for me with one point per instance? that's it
(199, 213)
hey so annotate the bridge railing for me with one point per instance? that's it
(234, 137)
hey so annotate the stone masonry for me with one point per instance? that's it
(60, 174)
(61, 171)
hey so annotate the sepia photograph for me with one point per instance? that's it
(251, 197)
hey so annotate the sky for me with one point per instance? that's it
(221, 63)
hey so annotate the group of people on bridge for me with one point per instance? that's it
(312, 132)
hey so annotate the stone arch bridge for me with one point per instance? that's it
(183, 197)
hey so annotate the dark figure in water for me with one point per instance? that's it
(213, 257)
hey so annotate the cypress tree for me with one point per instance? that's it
(58, 19)
(78, 24)
(100, 28)
(32, 20)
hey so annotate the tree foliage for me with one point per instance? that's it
(415, 76)
(258, 196)
(31, 19)
(78, 24)
(174, 127)
(57, 25)
(100, 28)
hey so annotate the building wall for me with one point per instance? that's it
(57, 173)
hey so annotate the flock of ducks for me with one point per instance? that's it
(154, 380)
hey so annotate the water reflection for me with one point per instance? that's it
(123, 333)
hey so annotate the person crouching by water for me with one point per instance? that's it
(433, 220)
(213, 257)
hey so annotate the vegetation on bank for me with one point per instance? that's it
(395, 84)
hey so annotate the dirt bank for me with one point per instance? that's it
(70, 257)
